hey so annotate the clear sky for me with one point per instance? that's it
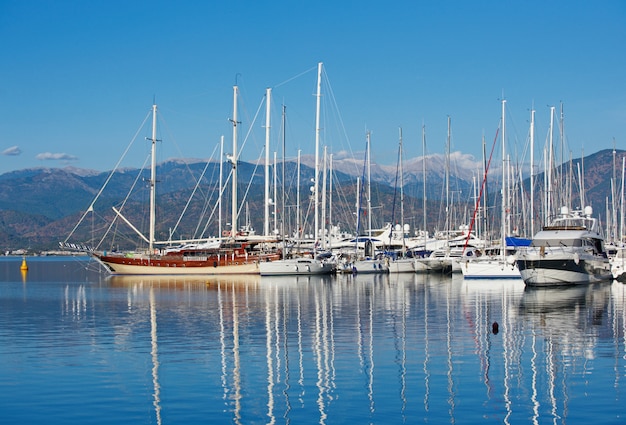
(77, 78)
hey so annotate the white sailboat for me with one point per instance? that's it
(448, 246)
(401, 263)
(369, 262)
(502, 265)
(297, 264)
(422, 245)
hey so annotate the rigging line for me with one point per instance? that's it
(212, 185)
(395, 192)
(245, 139)
(482, 188)
(174, 142)
(208, 222)
(124, 202)
(241, 150)
(360, 197)
(193, 192)
(296, 76)
(332, 97)
(245, 195)
(108, 178)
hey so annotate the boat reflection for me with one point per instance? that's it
(547, 300)
(186, 282)
(564, 326)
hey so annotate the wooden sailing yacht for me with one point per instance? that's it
(237, 253)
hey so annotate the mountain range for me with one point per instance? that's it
(40, 207)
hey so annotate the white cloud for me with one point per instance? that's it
(12, 151)
(56, 156)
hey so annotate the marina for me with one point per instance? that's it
(337, 214)
(80, 346)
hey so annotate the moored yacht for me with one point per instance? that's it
(569, 251)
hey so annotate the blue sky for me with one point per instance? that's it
(77, 78)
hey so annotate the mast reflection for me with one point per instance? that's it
(375, 348)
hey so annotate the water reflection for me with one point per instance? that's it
(569, 320)
(363, 349)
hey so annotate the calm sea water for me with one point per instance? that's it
(77, 347)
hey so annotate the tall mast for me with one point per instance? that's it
(448, 224)
(614, 199)
(221, 192)
(275, 192)
(546, 169)
(424, 179)
(582, 179)
(551, 162)
(233, 210)
(317, 149)
(153, 180)
(369, 187)
(282, 198)
(323, 216)
(621, 205)
(532, 173)
(266, 221)
(484, 228)
(402, 195)
(330, 194)
(358, 210)
(298, 229)
(504, 173)
(559, 171)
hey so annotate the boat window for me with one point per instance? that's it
(555, 243)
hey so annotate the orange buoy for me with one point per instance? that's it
(24, 266)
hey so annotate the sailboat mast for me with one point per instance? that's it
(484, 231)
(266, 221)
(448, 223)
(221, 192)
(550, 165)
(282, 198)
(614, 199)
(402, 196)
(358, 210)
(275, 193)
(298, 229)
(532, 173)
(424, 179)
(153, 180)
(504, 173)
(317, 149)
(323, 217)
(330, 195)
(369, 187)
(621, 205)
(233, 210)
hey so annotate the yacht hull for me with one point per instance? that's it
(536, 271)
(295, 266)
(180, 265)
